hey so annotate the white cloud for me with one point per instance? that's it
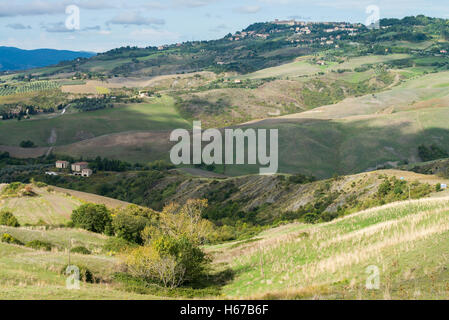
(247, 9)
(58, 27)
(40, 7)
(155, 34)
(134, 18)
(191, 3)
(18, 26)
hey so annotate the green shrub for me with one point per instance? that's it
(13, 189)
(301, 179)
(8, 219)
(27, 144)
(41, 184)
(438, 187)
(80, 250)
(39, 245)
(130, 283)
(116, 245)
(189, 256)
(128, 223)
(92, 217)
(70, 224)
(167, 261)
(172, 254)
(7, 238)
(311, 217)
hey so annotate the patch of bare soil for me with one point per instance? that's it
(24, 153)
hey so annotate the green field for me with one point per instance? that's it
(73, 127)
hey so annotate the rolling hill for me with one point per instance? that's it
(354, 109)
(403, 241)
(50, 205)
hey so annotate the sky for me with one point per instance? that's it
(101, 25)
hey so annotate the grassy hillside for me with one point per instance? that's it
(403, 240)
(304, 67)
(49, 205)
(255, 200)
(321, 141)
(29, 274)
(72, 127)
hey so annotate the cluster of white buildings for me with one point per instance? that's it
(77, 168)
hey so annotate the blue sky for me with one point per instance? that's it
(107, 24)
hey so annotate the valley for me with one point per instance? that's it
(362, 116)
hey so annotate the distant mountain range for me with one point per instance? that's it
(17, 59)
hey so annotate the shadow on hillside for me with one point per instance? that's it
(214, 280)
(208, 285)
(323, 148)
(317, 147)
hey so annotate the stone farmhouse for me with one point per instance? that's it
(62, 164)
(77, 168)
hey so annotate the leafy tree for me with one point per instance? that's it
(27, 144)
(182, 222)
(7, 238)
(128, 223)
(172, 254)
(39, 245)
(8, 219)
(92, 217)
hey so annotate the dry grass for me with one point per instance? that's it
(330, 259)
